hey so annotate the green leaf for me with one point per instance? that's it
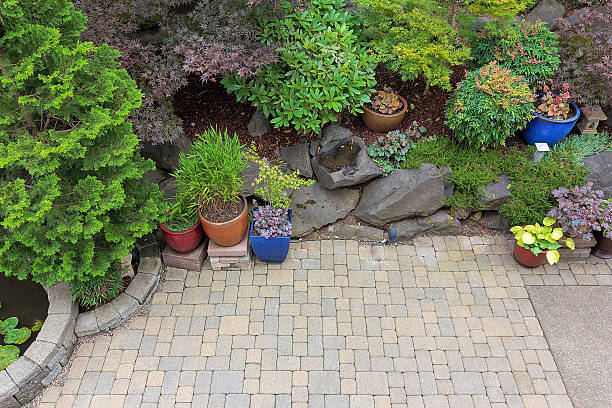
(17, 336)
(8, 324)
(570, 244)
(557, 234)
(552, 256)
(548, 221)
(528, 238)
(8, 355)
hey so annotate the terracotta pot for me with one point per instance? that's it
(183, 241)
(603, 249)
(527, 258)
(380, 122)
(227, 233)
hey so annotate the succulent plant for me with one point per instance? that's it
(386, 101)
(582, 210)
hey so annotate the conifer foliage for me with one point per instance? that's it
(71, 196)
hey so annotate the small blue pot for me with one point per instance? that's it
(270, 249)
(550, 131)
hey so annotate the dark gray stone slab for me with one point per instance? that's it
(166, 155)
(259, 125)
(438, 223)
(577, 323)
(495, 194)
(547, 11)
(298, 158)
(600, 171)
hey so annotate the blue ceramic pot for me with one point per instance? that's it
(550, 131)
(270, 249)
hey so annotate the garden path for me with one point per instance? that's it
(446, 322)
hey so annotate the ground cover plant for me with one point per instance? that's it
(322, 68)
(472, 169)
(488, 106)
(529, 50)
(576, 147)
(70, 204)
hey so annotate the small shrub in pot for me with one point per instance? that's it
(536, 244)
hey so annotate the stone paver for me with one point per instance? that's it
(446, 322)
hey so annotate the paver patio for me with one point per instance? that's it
(446, 322)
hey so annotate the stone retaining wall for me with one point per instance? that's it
(45, 358)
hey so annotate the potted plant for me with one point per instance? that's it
(182, 229)
(209, 177)
(386, 111)
(554, 117)
(271, 225)
(583, 213)
(536, 244)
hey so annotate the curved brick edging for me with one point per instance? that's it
(46, 356)
(129, 302)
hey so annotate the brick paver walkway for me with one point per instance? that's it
(445, 322)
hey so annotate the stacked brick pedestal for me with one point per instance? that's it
(582, 251)
(191, 261)
(235, 257)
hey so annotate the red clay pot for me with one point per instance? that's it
(380, 122)
(227, 233)
(527, 258)
(603, 249)
(183, 241)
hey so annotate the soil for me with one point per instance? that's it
(340, 158)
(222, 213)
(201, 105)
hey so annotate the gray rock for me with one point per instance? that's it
(107, 316)
(8, 388)
(60, 298)
(357, 231)
(22, 371)
(86, 324)
(439, 223)
(314, 147)
(166, 155)
(495, 194)
(461, 213)
(168, 187)
(151, 266)
(154, 176)
(315, 206)
(248, 179)
(141, 286)
(41, 352)
(600, 168)
(298, 158)
(449, 186)
(361, 170)
(53, 373)
(547, 11)
(259, 125)
(608, 121)
(145, 241)
(56, 328)
(334, 133)
(402, 194)
(495, 221)
(126, 305)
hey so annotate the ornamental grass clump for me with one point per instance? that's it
(72, 197)
(541, 238)
(528, 49)
(322, 68)
(582, 210)
(275, 187)
(488, 106)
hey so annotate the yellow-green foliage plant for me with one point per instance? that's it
(539, 238)
(422, 38)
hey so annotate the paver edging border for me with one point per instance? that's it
(42, 362)
(135, 296)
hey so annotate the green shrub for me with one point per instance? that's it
(98, 290)
(576, 147)
(211, 173)
(488, 106)
(529, 50)
(532, 183)
(322, 69)
(72, 199)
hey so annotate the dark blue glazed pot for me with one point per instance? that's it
(270, 249)
(550, 131)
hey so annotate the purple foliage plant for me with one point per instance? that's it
(270, 222)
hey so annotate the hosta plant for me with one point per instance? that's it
(582, 210)
(529, 50)
(321, 70)
(386, 101)
(10, 335)
(389, 152)
(554, 106)
(489, 105)
(541, 238)
(270, 222)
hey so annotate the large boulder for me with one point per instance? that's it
(495, 221)
(166, 155)
(334, 133)
(600, 167)
(438, 223)
(248, 178)
(315, 206)
(403, 194)
(297, 157)
(495, 194)
(259, 125)
(344, 162)
(547, 11)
